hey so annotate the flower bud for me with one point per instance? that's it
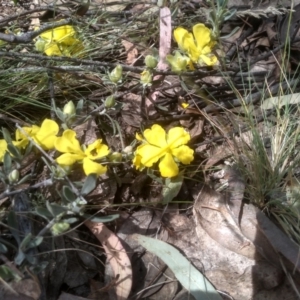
(110, 101)
(151, 62)
(69, 109)
(40, 45)
(115, 157)
(146, 77)
(13, 176)
(59, 228)
(128, 150)
(116, 74)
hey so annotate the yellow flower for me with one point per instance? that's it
(164, 147)
(184, 105)
(146, 77)
(59, 41)
(198, 45)
(44, 136)
(3, 149)
(70, 146)
(179, 62)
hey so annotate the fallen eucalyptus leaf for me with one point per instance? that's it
(185, 272)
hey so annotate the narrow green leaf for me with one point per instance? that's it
(185, 272)
(24, 179)
(60, 114)
(55, 209)
(6, 135)
(28, 149)
(25, 242)
(13, 225)
(20, 257)
(89, 184)
(15, 152)
(152, 175)
(71, 220)
(7, 274)
(171, 188)
(68, 193)
(79, 107)
(35, 242)
(43, 212)
(3, 248)
(163, 108)
(7, 163)
(102, 219)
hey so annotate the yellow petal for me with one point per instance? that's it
(91, 167)
(184, 154)
(179, 34)
(149, 154)
(156, 136)
(58, 33)
(68, 143)
(168, 167)
(3, 148)
(202, 36)
(139, 137)
(177, 136)
(46, 136)
(68, 159)
(52, 49)
(96, 150)
(184, 105)
(208, 60)
(137, 162)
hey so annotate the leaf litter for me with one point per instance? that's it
(222, 237)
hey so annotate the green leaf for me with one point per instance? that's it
(185, 272)
(24, 179)
(43, 212)
(102, 219)
(89, 184)
(31, 259)
(55, 209)
(20, 257)
(7, 273)
(71, 220)
(79, 107)
(60, 114)
(35, 242)
(229, 14)
(163, 108)
(6, 135)
(30, 242)
(8, 244)
(13, 226)
(7, 163)
(68, 193)
(171, 188)
(28, 149)
(152, 175)
(25, 242)
(3, 248)
(15, 152)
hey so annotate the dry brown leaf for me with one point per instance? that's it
(26, 289)
(132, 52)
(116, 256)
